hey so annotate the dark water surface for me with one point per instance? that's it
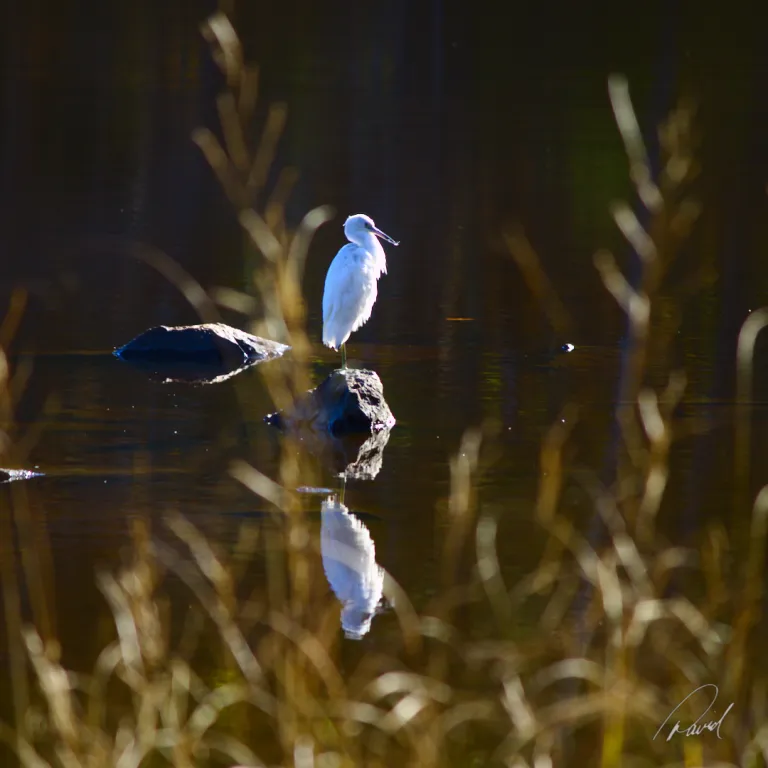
(443, 126)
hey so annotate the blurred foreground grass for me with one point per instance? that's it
(630, 624)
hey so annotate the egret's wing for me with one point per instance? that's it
(339, 273)
(350, 291)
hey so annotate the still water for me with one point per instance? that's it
(442, 129)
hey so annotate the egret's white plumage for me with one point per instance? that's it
(349, 562)
(350, 284)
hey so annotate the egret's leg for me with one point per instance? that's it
(343, 487)
(343, 357)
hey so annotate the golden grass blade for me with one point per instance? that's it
(626, 120)
(627, 221)
(227, 52)
(192, 291)
(265, 153)
(233, 131)
(538, 282)
(297, 254)
(745, 354)
(213, 605)
(489, 571)
(249, 91)
(259, 484)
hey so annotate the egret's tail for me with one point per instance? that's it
(333, 336)
(329, 339)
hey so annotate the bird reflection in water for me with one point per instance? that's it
(349, 561)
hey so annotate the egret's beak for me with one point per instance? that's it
(383, 236)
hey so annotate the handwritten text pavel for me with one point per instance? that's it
(697, 726)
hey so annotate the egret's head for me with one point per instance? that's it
(358, 225)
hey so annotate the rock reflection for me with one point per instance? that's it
(354, 458)
(349, 561)
(186, 373)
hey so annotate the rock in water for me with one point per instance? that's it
(348, 402)
(345, 422)
(354, 403)
(197, 352)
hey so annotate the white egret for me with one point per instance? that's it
(350, 285)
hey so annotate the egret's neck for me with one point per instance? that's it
(371, 243)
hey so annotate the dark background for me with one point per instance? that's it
(444, 121)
